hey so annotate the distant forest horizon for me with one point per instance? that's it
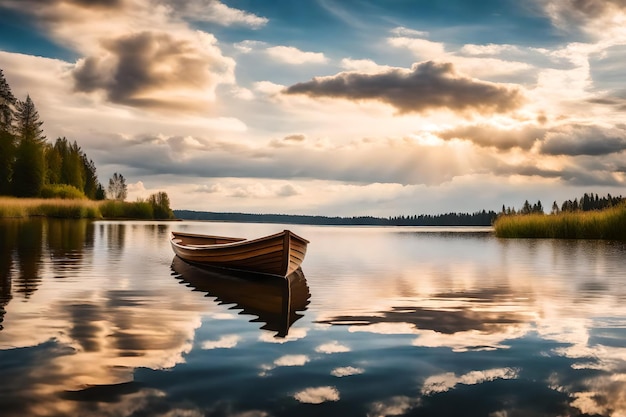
(481, 218)
(588, 202)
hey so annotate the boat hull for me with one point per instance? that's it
(279, 254)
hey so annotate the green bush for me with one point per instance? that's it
(113, 209)
(64, 191)
(139, 210)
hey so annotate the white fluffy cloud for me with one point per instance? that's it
(294, 56)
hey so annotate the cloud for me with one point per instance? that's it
(155, 69)
(363, 66)
(295, 138)
(294, 56)
(491, 62)
(489, 49)
(569, 140)
(217, 12)
(395, 406)
(210, 189)
(224, 342)
(346, 371)
(97, 3)
(332, 347)
(427, 86)
(490, 136)
(577, 140)
(248, 46)
(598, 18)
(289, 140)
(585, 9)
(292, 360)
(136, 53)
(288, 190)
(445, 382)
(259, 190)
(422, 48)
(317, 395)
(403, 31)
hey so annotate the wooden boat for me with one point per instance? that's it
(275, 301)
(279, 254)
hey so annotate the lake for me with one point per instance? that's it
(99, 319)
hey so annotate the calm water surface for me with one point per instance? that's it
(100, 319)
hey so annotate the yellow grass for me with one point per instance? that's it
(26, 207)
(11, 207)
(604, 224)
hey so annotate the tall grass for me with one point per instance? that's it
(606, 224)
(26, 207)
(80, 208)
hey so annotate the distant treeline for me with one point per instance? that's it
(481, 218)
(588, 202)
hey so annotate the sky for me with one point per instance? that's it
(329, 107)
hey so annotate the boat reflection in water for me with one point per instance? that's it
(276, 301)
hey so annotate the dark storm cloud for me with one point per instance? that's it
(136, 66)
(428, 86)
(489, 136)
(584, 140)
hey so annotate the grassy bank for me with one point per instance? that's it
(27, 207)
(605, 224)
(11, 207)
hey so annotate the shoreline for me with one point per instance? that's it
(20, 208)
(607, 224)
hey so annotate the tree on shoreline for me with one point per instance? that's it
(7, 137)
(29, 167)
(117, 189)
(161, 205)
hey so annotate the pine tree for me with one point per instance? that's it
(91, 179)
(53, 165)
(30, 170)
(7, 138)
(28, 123)
(555, 208)
(7, 105)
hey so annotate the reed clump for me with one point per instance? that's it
(81, 208)
(56, 207)
(605, 224)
